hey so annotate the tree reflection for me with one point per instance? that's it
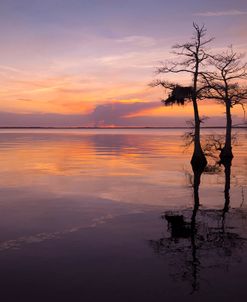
(227, 166)
(200, 239)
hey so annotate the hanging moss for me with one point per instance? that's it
(179, 95)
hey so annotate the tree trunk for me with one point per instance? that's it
(198, 160)
(226, 153)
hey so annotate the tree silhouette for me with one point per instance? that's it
(222, 84)
(193, 55)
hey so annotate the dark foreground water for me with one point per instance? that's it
(88, 215)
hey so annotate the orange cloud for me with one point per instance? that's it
(206, 109)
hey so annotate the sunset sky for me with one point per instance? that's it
(89, 62)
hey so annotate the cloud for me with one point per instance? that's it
(123, 114)
(115, 113)
(141, 41)
(9, 68)
(233, 12)
(8, 119)
(103, 115)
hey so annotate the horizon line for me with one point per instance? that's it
(120, 127)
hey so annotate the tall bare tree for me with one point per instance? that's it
(224, 85)
(192, 56)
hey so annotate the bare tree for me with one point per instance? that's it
(223, 84)
(193, 54)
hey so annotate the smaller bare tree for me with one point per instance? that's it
(223, 84)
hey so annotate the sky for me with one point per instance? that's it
(89, 62)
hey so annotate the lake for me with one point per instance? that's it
(85, 215)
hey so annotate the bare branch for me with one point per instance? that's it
(228, 68)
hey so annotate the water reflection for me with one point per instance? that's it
(203, 239)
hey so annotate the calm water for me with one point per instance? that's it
(81, 218)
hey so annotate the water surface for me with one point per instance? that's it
(80, 218)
